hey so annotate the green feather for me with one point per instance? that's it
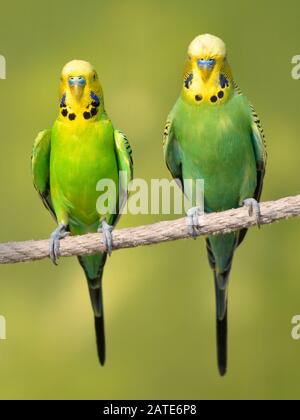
(224, 146)
(67, 163)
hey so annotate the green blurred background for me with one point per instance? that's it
(159, 301)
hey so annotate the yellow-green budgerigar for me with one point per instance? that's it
(69, 160)
(214, 134)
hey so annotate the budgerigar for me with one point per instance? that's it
(214, 134)
(69, 160)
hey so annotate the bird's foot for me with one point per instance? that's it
(193, 215)
(106, 231)
(253, 209)
(54, 242)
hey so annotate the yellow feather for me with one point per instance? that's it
(76, 68)
(205, 88)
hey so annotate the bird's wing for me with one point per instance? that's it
(259, 145)
(171, 151)
(125, 166)
(260, 152)
(40, 163)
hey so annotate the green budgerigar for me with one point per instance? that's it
(213, 134)
(69, 160)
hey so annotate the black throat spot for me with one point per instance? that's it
(72, 117)
(86, 115)
(94, 111)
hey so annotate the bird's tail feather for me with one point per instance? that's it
(97, 302)
(222, 333)
(221, 295)
(222, 326)
(221, 288)
(96, 292)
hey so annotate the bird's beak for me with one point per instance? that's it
(205, 73)
(206, 67)
(77, 85)
(77, 92)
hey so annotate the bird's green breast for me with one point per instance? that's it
(215, 145)
(81, 156)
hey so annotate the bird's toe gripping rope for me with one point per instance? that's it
(106, 231)
(253, 209)
(192, 219)
(54, 242)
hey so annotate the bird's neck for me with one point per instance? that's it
(217, 90)
(88, 108)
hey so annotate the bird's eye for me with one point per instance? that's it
(95, 77)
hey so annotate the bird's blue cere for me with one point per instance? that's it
(210, 63)
(96, 100)
(79, 81)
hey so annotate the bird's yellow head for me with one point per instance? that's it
(81, 96)
(207, 75)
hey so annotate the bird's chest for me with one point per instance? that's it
(213, 137)
(79, 160)
(216, 146)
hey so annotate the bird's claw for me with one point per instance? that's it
(106, 231)
(253, 209)
(54, 242)
(193, 215)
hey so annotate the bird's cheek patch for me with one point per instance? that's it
(63, 101)
(94, 105)
(188, 81)
(223, 81)
(96, 100)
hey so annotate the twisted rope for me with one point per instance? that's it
(210, 224)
